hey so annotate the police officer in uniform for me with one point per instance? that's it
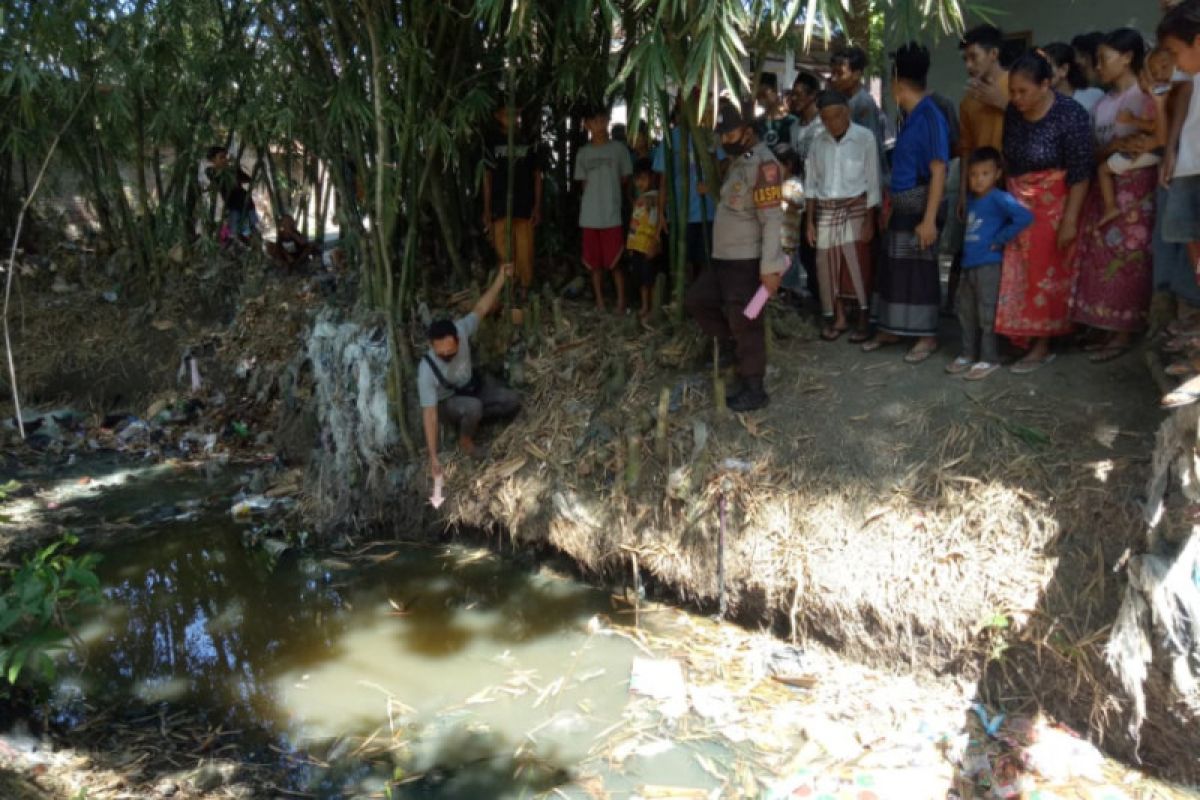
(746, 254)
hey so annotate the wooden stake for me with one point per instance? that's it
(633, 461)
(661, 447)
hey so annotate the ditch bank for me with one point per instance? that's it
(903, 518)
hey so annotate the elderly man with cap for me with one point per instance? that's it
(746, 254)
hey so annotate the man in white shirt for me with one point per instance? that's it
(1179, 34)
(842, 183)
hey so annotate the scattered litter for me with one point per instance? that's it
(714, 703)
(661, 679)
(255, 505)
(1059, 755)
(436, 498)
(991, 725)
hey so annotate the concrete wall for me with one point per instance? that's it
(1048, 21)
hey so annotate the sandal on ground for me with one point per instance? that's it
(1028, 365)
(871, 345)
(1181, 343)
(980, 371)
(1186, 368)
(858, 337)
(920, 356)
(1106, 354)
(959, 365)
(832, 334)
(1187, 393)
(1181, 327)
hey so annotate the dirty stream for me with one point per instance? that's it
(409, 670)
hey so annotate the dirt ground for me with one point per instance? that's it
(896, 514)
(902, 517)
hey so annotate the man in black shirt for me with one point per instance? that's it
(516, 249)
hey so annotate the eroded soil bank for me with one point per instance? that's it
(229, 660)
(905, 519)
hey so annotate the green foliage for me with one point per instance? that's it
(37, 603)
(386, 98)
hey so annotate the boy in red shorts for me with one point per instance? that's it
(604, 167)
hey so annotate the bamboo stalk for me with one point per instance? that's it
(661, 446)
(633, 461)
(12, 258)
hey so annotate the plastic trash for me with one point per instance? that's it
(206, 442)
(134, 430)
(110, 296)
(990, 724)
(245, 367)
(250, 506)
(436, 499)
(662, 680)
(1058, 755)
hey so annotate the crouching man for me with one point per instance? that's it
(449, 386)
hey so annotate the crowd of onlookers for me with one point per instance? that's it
(1078, 196)
(1077, 202)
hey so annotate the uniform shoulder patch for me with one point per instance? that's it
(768, 189)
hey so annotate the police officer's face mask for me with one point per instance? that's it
(736, 145)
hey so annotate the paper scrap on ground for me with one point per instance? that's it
(661, 679)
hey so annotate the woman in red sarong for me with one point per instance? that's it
(1114, 258)
(1049, 162)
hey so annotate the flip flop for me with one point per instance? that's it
(1180, 328)
(959, 365)
(1181, 343)
(1186, 368)
(1107, 354)
(858, 337)
(871, 345)
(915, 356)
(980, 371)
(833, 334)
(1026, 366)
(1187, 393)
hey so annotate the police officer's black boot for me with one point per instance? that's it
(751, 397)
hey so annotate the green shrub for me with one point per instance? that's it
(38, 601)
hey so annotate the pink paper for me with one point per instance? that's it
(755, 306)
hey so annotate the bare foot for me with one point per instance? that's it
(1109, 215)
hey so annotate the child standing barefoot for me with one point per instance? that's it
(643, 243)
(994, 218)
(603, 166)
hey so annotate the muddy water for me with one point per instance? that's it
(484, 676)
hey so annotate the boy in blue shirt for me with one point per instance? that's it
(994, 218)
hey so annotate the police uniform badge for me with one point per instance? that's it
(768, 189)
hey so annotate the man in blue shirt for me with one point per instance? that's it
(702, 207)
(994, 218)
